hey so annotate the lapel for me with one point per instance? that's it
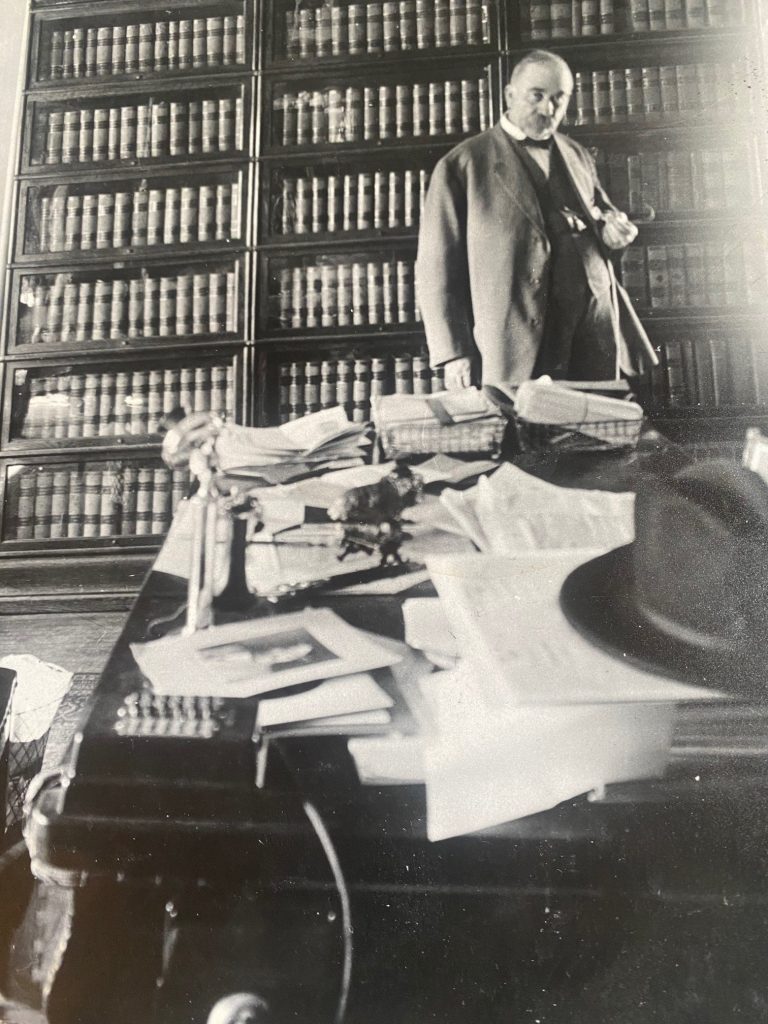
(511, 173)
(579, 178)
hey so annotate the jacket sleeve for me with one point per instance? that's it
(442, 269)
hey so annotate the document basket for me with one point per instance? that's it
(479, 438)
(593, 436)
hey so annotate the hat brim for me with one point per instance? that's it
(598, 599)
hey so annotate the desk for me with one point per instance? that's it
(179, 897)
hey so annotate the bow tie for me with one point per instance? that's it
(537, 143)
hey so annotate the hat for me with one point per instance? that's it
(689, 597)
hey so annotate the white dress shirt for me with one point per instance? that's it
(540, 155)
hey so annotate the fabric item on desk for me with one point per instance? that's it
(40, 688)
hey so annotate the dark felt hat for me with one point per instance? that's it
(689, 597)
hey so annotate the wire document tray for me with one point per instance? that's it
(586, 437)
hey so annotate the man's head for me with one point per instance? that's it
(538, 93)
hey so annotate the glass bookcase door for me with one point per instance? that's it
(72, 132)
(140, 43)
(71, 405)
(154, 304)
(90, 502)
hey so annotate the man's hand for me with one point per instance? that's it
(618, 229)
(458, 374)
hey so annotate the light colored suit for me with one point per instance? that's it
(482, 270)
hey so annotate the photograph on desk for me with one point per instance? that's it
(243, 659)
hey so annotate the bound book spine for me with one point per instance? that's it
(144, 488)
(658, 276)
(108, 511)
(676, 272)
(129, 496)
(714, 270)
(42, 504)
(695, 278)
(161, 500)
(677, 392)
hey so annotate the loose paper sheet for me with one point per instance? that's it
(514, 511)
(483, 767)
(333, 697)
(427, 627)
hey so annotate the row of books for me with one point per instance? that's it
(175, 45)
(143, 131)
(145, 217)
(564, 19)
(379, 113)
(393, 26)
(346, 294)
(114, 404)
(306, 387)
(676, 180)
(352, 202)
(68, 310)
(109, 499)
(722, 273)
(622, 95)
(712, 371)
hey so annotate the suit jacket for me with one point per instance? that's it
(482, 270)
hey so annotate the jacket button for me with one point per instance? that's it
(535, 280)
(535, 321)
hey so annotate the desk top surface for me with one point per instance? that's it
(711, 793)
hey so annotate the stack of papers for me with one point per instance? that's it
(543, 401)
(320, 440)
(446, 421)
(532, 714)
(446, 407)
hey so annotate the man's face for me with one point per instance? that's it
(538, 97)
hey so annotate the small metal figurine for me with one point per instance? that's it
(371, 515)
(190, 442)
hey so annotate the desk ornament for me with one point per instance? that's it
(371, 515)
(190, 441)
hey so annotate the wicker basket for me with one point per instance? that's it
(480, 437)
(603, 435)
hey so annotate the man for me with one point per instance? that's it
(513, 268)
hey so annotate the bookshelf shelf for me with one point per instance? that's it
(381, 61)
(635, 46)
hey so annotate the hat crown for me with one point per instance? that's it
(700, 558)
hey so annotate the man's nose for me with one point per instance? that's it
(547, 106)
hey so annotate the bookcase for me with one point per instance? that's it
(217, 206)
(129, 265)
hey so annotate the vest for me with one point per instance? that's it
(575, 256)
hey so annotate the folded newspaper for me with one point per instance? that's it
(322, 438)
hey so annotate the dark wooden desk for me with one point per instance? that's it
(179, 896)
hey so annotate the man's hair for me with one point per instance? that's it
(538, 57)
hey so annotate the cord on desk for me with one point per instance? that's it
(156, 624)
(346, 912)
